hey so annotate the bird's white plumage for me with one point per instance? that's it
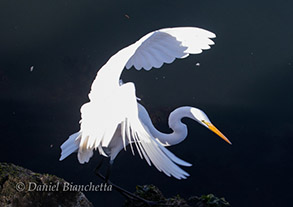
(165, 45)
(110, 120)
(69, 146)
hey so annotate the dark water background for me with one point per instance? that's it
(244, 84)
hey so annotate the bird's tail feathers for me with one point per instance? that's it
(70, 146)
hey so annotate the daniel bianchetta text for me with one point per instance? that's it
(62, 186)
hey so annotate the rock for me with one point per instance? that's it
(152, 193)
(207, 201)
(21, 187)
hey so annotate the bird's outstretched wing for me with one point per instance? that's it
(152, 50)
(165, 45)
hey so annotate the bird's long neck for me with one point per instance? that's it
(179, 129)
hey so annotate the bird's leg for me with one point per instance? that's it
(128, 195)
(99, 165)
(109, 170)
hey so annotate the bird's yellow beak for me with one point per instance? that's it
(216, 131)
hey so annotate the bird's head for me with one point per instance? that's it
(203, 119)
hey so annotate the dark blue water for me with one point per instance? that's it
(243, 83)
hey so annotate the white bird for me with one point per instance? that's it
(113, 118)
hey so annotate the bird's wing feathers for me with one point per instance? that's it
(163, 46)
(155, 153)
(136, 134)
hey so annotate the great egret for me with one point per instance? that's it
(113, 118)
